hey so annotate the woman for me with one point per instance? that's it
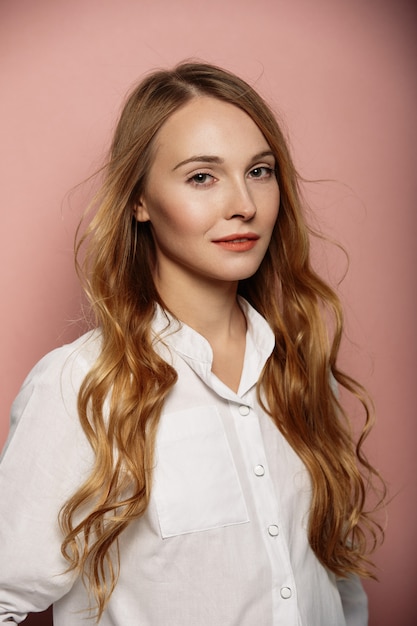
(188, 463)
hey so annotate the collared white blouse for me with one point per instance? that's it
(223, 542)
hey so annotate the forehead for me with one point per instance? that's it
(207, 125)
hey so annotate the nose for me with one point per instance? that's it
(241, 203)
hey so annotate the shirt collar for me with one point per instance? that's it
(196, 351)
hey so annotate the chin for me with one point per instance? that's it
(237, 277)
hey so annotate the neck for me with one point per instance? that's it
(211, 309)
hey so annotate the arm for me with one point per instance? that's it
(354, 601)
(45, 459)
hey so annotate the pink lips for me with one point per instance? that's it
(238, 242)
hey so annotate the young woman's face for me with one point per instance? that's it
(211, 196)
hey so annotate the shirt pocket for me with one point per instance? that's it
(196, 484)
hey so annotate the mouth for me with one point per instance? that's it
(237, 242)
(236, 238)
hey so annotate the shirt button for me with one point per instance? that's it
(286, 593)
(244, 410)
(259, 470)
(273, 531)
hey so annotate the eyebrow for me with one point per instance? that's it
(206, 158)
(201, 158)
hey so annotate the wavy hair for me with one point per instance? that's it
(121, 398)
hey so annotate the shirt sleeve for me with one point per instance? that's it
(354, 601)
(45, 458)
(352, 593)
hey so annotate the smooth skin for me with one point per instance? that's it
(212, 199)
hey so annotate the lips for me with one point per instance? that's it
(237, 242)
(237, 238)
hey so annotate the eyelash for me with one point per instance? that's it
(268, 170)
(199, 183)
(195, 179)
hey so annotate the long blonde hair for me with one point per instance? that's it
(121, 398)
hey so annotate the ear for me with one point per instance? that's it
(140, 211)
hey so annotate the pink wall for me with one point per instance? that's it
(341, 72)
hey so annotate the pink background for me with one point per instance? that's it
(342, 75)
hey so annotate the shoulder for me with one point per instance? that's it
(70, 360)
(48, 396)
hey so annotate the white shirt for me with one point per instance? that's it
(223, 541)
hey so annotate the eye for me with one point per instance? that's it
(262, 172)
(201, 179)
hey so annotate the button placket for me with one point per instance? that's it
(268, 514)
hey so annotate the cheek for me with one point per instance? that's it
(173, 218)
(180, 214)
(273, 207)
